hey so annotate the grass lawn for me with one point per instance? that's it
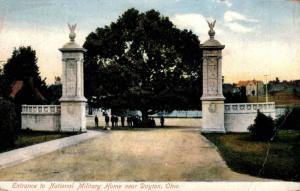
(246, 156)
(27, 138)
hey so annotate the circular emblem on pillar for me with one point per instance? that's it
(212, 108)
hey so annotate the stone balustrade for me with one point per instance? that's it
(40, 109)
(249, 107)
(41, 117)
(239, 116)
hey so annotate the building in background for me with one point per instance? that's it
(253, 87)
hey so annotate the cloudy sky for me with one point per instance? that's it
(262, 37)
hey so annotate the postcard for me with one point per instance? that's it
(173, 95)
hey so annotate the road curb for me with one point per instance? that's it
(21, 155)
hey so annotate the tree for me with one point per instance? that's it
(296, 92)
(142, 61)
(22, 65)
(54, 93)
(7, 124)
(263, 128)
(290, 119)
(236, 96)
(2, 85)
(243, 95)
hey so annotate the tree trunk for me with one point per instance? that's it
(144, 118)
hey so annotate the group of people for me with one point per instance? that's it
(113, 119)
(132, 121)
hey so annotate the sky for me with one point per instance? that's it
(262, 37)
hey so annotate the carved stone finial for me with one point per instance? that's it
(211, 31)
(72, 34)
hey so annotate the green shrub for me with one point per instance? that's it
(263, 127)
(290, 120)
(7, 124)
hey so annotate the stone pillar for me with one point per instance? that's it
(72, 101)
(212, 98)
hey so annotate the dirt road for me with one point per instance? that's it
(179, 154)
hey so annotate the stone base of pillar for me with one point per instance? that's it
(213, 116)
(73, 116)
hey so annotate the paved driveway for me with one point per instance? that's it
(179, 154)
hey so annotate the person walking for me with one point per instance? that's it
(116, 121)
(122, 120)
(128, 121)
(162, 121)
(96, 121)
(112, 119)
(106, 120)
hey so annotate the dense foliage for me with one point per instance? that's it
(22, 66)
(21, 69)
(8, 124)
(54, 93)
(263, 127)
(142, 61)
(290, 119)
(236, 97)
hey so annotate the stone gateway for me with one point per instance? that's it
(69, 116)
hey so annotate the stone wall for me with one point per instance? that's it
(41, 117)
(238, 116)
